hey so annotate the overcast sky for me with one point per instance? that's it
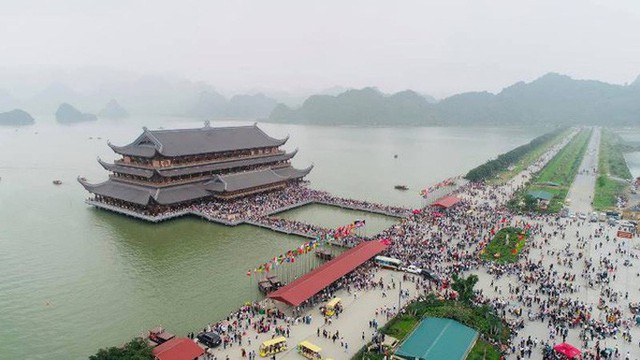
(439, 47)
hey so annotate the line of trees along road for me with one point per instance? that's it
(491, 168)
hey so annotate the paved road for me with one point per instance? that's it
(583, 187)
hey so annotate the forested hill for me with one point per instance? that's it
(360, 107)
(550, 100)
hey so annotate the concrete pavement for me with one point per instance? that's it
(583, 187)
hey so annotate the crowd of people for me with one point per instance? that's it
(259, 206)
(570, 284)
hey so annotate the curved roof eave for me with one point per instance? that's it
(278, 141)
(88, 186)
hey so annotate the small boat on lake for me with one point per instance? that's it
(159, 335)
(401, 187)
(57, 182)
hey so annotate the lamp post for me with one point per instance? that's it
(400, 296)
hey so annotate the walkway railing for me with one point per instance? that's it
(240, 221)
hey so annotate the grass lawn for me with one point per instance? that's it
(499, 245)
(401, 326)
(607, 191)
(482, 350)
(561, 170)
(611, 163)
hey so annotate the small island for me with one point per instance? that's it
(67, 114)
(16, 117)
(113, 110)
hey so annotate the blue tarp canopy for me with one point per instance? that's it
(438, 339)
(540, 194)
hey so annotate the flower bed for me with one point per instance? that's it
(506, 245)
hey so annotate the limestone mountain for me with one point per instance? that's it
(366, 106)
(250, 106)
(67, 114)
(210, 104)
(16, 117)
(552, 99)
(113, 110)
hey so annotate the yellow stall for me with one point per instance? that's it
(273, 346)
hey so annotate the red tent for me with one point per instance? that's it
(446, 202)
(313, 282)
(177, 349)
(567, 350)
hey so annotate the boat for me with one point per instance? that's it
(159, 335)
(324, 254)
(57, 182)
(275, 282)
(265, 286)
(401, 187)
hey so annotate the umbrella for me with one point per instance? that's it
(567, 350)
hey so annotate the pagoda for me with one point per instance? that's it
(168, 170)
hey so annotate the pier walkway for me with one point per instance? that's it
(264, 222)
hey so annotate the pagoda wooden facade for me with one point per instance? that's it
(164, 170)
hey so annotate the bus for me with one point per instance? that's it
(388, 262)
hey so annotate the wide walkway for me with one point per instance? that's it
(583, 187)
(359, 308)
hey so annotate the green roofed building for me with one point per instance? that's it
(438, 339)
(540, 195)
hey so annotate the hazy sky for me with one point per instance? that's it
(439, 47)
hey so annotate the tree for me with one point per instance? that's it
(464, 287)
(136, 349)
(530, 203)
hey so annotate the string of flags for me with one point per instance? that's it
(443, 184)
(309, 246)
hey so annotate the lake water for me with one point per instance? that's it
(74, 279)
(632, 158)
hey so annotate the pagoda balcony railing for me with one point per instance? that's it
(160, 183)
(188, 180)
(198, 163)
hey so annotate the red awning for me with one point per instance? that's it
(567, 350)
(177, 349)
(446, 202)
(312, 283)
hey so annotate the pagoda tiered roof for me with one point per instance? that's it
(205, 140)
(218, 185)
(187, 170)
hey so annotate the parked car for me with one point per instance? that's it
(412, 269)
(430, 275)
(210, 339)
(582, 216)
(602, 217)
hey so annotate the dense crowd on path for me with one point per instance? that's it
(566, 286)
(259, 206)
